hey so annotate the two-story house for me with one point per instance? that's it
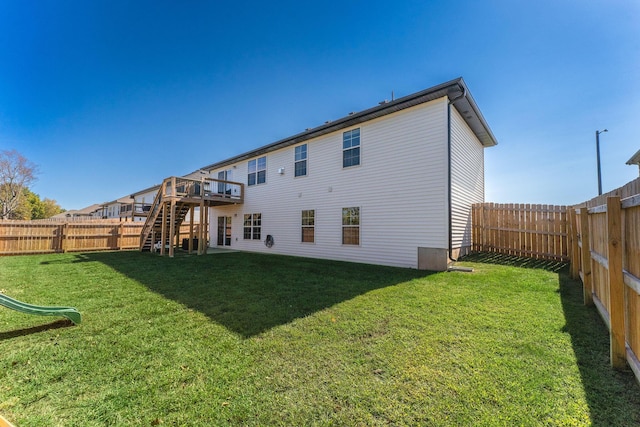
(390, 185)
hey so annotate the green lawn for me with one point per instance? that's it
(248, 339)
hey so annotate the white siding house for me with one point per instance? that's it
(391, 185)
(117, 209)
(141, 202)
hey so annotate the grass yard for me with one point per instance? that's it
(247, 339)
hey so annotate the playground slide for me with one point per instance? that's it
(4, 422)
(68, 312)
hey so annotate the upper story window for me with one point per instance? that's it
(257, 171)
(301, 160)
(351, 148)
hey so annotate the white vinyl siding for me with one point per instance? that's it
(467, 178)
(401, 190)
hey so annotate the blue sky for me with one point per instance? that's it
(110, 97)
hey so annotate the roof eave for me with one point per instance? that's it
(635, 159)
(451, 89)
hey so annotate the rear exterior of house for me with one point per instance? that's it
(392, 185)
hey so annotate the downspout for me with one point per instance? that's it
(451, 101)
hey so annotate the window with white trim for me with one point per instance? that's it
(257, 171)
(351, 226)
(308, 226)
(351, 148)
(300, 167)
(252, 226)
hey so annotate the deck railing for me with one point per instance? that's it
(130, 210)
(210, 189)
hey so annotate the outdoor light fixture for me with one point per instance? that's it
(598, 132)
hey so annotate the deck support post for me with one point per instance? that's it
(172, 228)
(191, 218)
(172, 216)
(163, 232)
(200, 228)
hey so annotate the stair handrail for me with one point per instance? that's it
(153, 213)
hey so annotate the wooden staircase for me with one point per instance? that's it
(153, 233)
(176, 198)
(153, 222)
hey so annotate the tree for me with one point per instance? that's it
(51, 208)
(16, 174)
(32, 207)
(36, 208)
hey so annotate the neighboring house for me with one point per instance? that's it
(391, 185)
(119, 209)
(141, 202)
(90, 212)
(635, 160)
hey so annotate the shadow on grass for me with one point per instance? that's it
(78, 258)
(63, 323)
(251, 293)
(613, 396)
(514, 261)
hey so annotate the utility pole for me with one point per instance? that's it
(598, 132)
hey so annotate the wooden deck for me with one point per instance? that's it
(179, 197)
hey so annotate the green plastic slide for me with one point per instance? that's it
(68, 312)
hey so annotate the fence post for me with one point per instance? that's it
(487, 231)
(587, 289)
(482, 221)
(573, 243)
(120, 235)
(63, 237)
(616, 283)
(482, 233)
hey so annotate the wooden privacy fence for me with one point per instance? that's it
(533, 231)
(606, 257)
(31, 237)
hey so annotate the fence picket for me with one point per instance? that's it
(610, 267)
(536, 231)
